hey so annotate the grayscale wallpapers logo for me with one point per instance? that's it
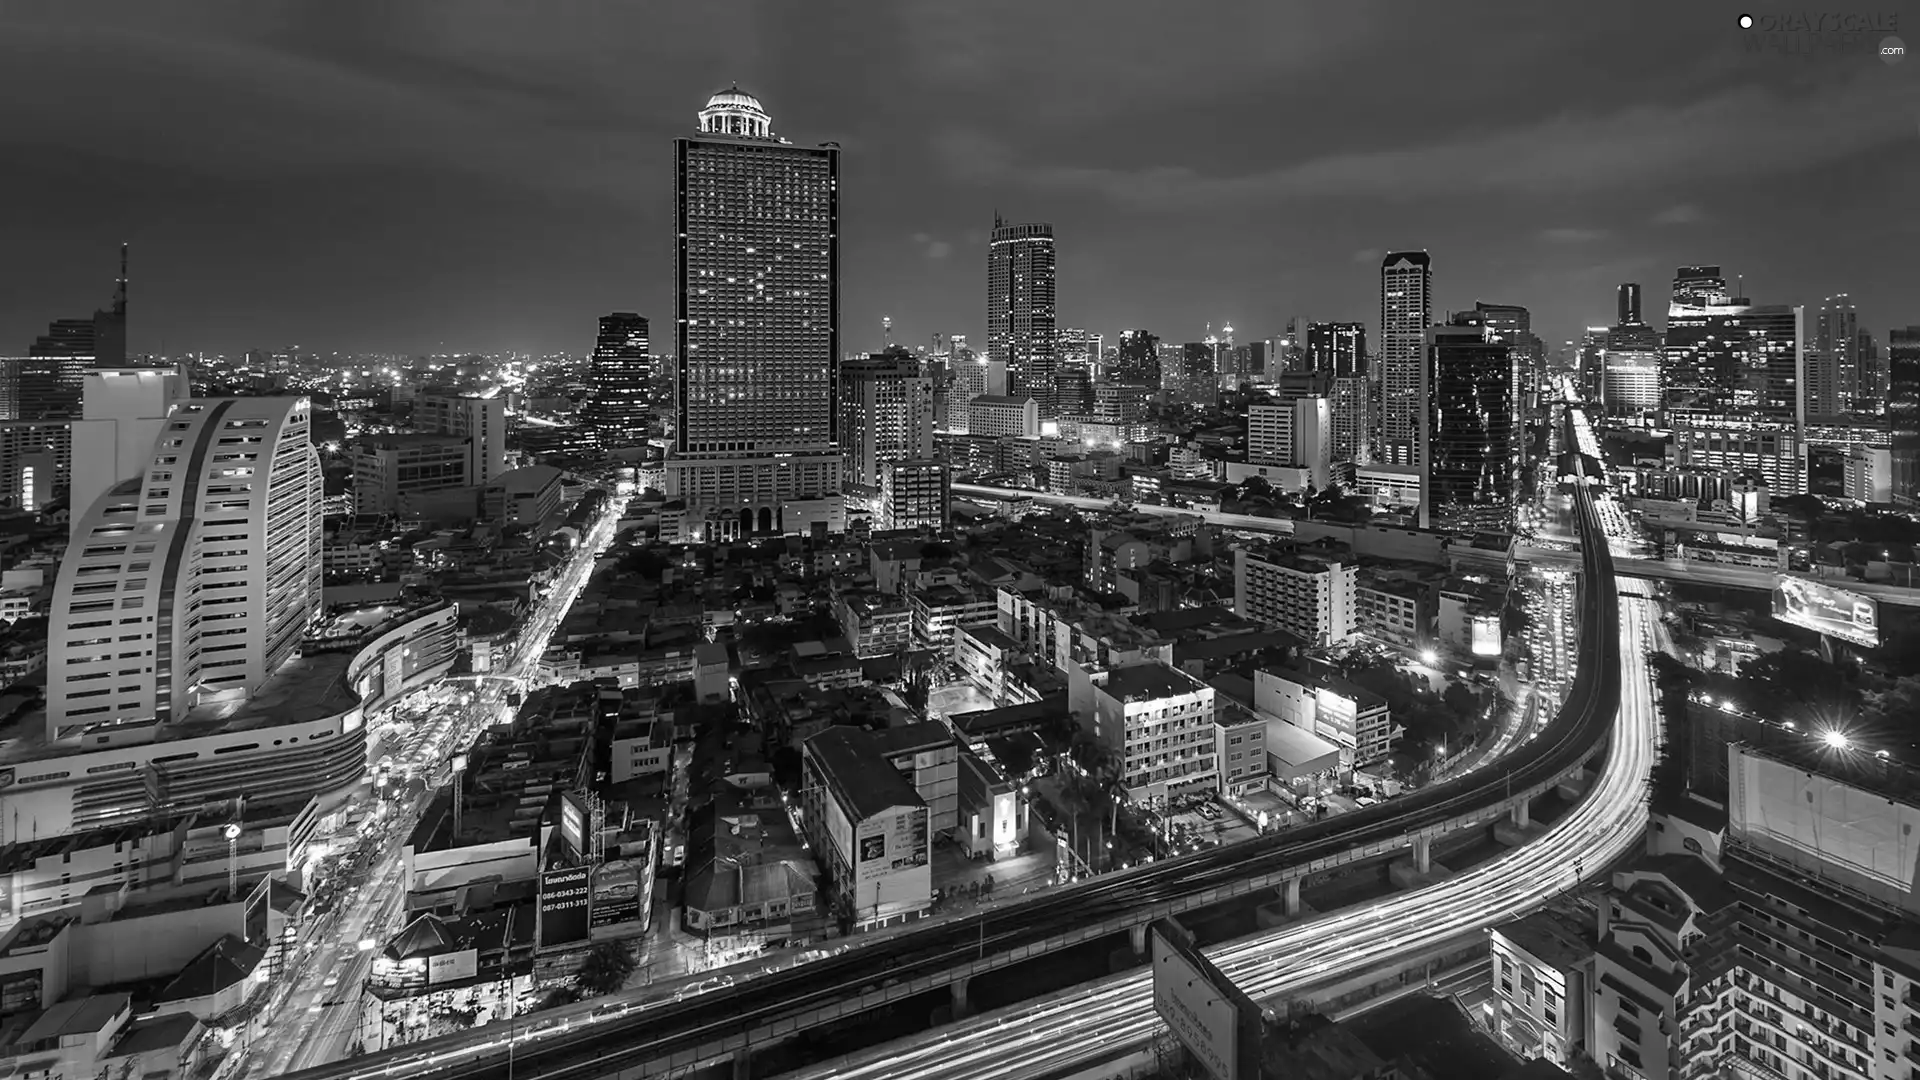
(1826, 33)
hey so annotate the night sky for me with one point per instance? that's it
(478, 175)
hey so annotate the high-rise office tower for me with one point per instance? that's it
(886, 414)
(1137, 363)
(1020, 310)
(1406, 310)
(1903, 413)
(1591, 363)
(1513, 325)
(1337, 348)
(1873, 375)
(621, 374)
(98, 341)
(756, 320)
(1833, 359)
(1699, 286)
(1627, 305)
(1632, 361)
(215, 540)
(1473, 430)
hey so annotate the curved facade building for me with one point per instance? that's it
(194, 581)
(188, 662)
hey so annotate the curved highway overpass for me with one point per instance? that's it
(630, 1037)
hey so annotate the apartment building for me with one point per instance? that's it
(1157, 720)
(1308, 594)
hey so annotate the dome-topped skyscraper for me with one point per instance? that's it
(735, 112)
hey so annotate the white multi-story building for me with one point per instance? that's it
(1001, 415)
(1298, 433)
(194, 579)
(1156, 719)
(479, 418)
(1309, 597)
(1391, 611)
(869, 827)
(1869, 474)
(1240, 747)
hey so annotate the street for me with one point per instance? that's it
(313, 1019)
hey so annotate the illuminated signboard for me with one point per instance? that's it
(1827, 610)
(1334, 716)
(1486, 635)
(573, 825)
(616, 893)
(453, 967)
(563, 911)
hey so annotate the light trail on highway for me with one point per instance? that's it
(1037, 1040)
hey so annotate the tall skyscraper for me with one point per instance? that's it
(621, 374)
(1337, 348)
(1632, 361)
(1903, 413)
(216, 538)
(1138, 361)
(1406, 310)
(1513, 325)
(1473, 431)
(1627, 304)
(1350, 402)
(886, 414)
(756, 320)
(1020, 310)
(1834, 372)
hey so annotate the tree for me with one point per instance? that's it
(558, 997)
(606, 968)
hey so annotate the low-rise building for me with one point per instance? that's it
(875, 624)
(1309, 595)
(869, 829)
(1240, 745)
(993, 814)
(746, 873)
(1351, 717)
(939, 611)
(1541, 984)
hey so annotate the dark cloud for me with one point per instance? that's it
(406, 175)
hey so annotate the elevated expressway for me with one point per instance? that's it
(629, 1037)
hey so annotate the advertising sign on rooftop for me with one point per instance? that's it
(563, 914)
(1827, 610)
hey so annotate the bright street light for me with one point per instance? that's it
(1835, 739)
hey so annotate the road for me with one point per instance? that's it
(1077, 1029)
(316, 1016)
(630, 1031)
(1079, 502)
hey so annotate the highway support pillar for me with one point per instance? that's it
(1138, 934)
(742, 1064)
(1522, 814)
(958, 988)
(1290, 897)
(1423, 854)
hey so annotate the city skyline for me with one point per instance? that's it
(491, 211)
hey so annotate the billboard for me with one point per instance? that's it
(563, 912)
(892, 841)
(1827, 610)
(452, 967)
(616, 893)
(1486, 635)
(253, 919)
(1822, 824)
(1212, 1018)
(573, 824)
(1333, 718)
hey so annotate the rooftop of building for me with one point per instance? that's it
(985, 723)
(528, 479)
(1214, 648)
(858, 773)
(1000, 399)
(1316, 1048)
(1557, 938)
(77, 1017)
(1150, 682)
(221, 964)
(737, 857)
(1212, 618)
(1362, 698)
(1875, 772)
(396, 440)
(1297, 747)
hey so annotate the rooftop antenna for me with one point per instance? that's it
(886, 329)
(120, 288)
